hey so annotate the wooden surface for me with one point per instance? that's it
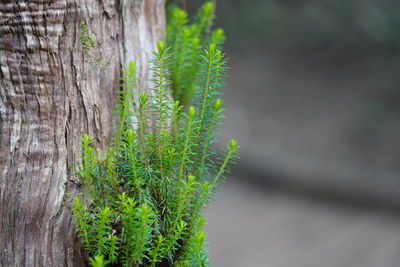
(51, 92)
(253, 226)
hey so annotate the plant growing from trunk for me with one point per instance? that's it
(144, 197)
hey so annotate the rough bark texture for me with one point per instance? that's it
(50, 94)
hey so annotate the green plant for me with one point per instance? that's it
(188, 41)
(87, 41)
(144, 197)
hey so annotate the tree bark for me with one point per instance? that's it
(51, 92)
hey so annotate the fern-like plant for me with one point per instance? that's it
(143, 199)
(188, 41)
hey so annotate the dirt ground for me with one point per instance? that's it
(253, 226)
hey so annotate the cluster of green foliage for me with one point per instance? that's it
(87, 41)
(144, 197)
(188, 41)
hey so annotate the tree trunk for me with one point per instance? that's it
(52, 90)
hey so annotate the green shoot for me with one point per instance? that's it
(144, 197)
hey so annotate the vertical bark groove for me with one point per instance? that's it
(50, 94)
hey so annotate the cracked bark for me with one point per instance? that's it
(50, 94)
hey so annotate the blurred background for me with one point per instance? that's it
(313, 98)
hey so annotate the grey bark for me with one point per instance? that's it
(50, 94)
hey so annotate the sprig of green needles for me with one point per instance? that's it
(144, 197)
